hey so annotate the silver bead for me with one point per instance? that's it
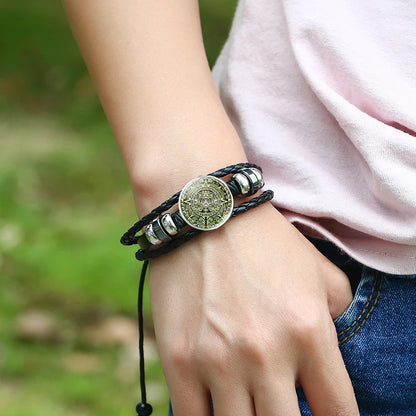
(151, 236)
(168, 224)
(260, 180)
(243, 183)
(255, 177)
(159, 231)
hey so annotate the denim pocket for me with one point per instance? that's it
(358, 313)
(377, 339)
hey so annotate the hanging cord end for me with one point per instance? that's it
(144, 409)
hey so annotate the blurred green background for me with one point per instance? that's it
(68, 340)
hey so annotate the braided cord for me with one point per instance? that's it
(147, 254)
(129, 237)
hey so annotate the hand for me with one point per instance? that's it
(244, 314)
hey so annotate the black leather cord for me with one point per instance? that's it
(151, 253)
(181, 223)
(143, 408)
(129, 237)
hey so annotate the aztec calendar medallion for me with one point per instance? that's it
(206, 203)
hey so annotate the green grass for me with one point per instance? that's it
(64, 202)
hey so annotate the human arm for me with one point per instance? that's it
(149, 66)
(228, 324)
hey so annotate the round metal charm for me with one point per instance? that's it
(206, 203)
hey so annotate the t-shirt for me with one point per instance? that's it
(323, 96)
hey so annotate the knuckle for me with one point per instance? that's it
(212, 355)
(179, 355)
(254, 349)
(203, 355)
(310, 328)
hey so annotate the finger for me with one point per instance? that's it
(276, 398)
(326, 383)
(339, 292)
(189, 398)
(231, 399)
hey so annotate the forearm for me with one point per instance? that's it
(148, 63)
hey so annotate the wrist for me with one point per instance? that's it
(153, 187)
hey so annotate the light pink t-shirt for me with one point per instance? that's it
(323, 95)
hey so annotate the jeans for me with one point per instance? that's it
(377, 338)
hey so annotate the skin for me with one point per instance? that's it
(243, 314)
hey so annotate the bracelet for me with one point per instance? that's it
(246, 181)
(129, 237)
(151, 253)
(205, 203)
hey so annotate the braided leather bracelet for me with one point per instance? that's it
(247, 180)
(130, 237)
(147, 254)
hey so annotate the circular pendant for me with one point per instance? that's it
(206, 203)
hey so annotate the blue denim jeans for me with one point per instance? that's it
(377, 338)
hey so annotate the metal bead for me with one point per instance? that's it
(243, 183)
(151, 236)
(260, 180)
(255, 177)
(159, 231)
(168, 224)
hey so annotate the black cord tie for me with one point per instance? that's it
(129, 238)
(143, 408)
